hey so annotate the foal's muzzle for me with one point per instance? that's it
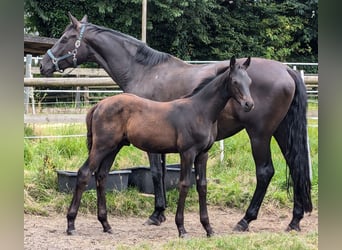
(247, 105)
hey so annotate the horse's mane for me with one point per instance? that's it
(148, 56)
(205, 82)
(145, 55)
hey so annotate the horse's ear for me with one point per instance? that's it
(247, 62)
(84, 19)
(73, 20)
(232, 62)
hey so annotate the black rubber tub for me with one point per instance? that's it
(117, 180)
(141, 178)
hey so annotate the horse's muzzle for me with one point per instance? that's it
(45, 72)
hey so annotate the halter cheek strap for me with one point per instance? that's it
(72, 53)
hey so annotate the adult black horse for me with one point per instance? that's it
(278, 92)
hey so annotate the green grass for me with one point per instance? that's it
(250, 241)
(230, 183)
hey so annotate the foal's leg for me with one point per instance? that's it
(83, 177)
(264, 173)
(157, 168)
(187, 160)
(100, 177)
(201, 185)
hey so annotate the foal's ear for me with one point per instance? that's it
(84, 19)
(221, 70)
(247, 62)
(73, 20)
(232, 62)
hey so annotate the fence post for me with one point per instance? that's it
(78, 97)
(221, 150)
(28, 91)
(302, 74)
(86, 96)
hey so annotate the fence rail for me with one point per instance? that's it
(98, 76)
(104, 81)
(79, 83)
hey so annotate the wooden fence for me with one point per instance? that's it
(97, 77)
(84, 77)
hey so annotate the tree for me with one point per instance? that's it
(196, 29)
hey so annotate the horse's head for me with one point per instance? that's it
(69, 51)
(240, 83)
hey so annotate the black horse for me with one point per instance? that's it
(278, 92)
(186, 126)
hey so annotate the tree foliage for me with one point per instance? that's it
(196, 29)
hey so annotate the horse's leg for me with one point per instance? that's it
(281, 136)
(187, 160)
(201, 185)
(157, 167)
(264, 173)
(100, 177)
(292, 139)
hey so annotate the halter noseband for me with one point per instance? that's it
(72, 53)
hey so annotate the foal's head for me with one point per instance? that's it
(240, 83)
(69, 51)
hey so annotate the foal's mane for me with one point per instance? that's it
(145, 55)
(205, 82)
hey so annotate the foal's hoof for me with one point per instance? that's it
(152, 222)
(71, 232)
(293, 228)
(242, 226)
(183, 235)
(108, 231)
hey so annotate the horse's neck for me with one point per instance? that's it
(110, 52)
(214, 96)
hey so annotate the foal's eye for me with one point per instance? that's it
(64, 40)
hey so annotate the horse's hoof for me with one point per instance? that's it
(210, 234)
(162, 218)
(71, 232)
(151, 222)
(240, 228)
(293, 228)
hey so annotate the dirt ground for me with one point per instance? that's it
(49, 232)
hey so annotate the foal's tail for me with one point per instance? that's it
(89, 121)
(297, 150)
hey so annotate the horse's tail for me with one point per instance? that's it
(89, 121)
(297, 149)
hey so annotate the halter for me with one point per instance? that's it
(72, 53)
